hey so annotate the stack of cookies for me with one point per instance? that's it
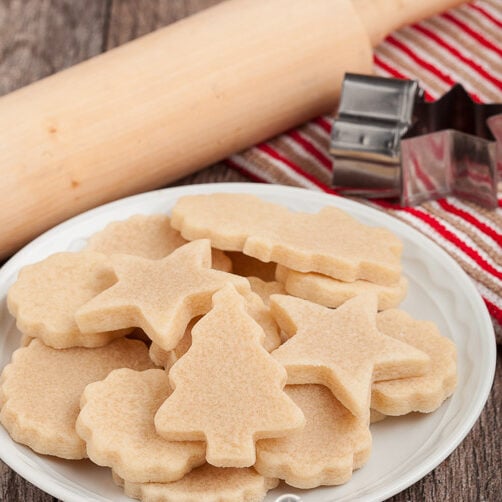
(209, 356)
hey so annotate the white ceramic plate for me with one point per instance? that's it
(404, 449)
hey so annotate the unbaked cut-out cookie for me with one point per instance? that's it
(342, 348)
(150, 236)
(333, 443)
(424, 393)
(47, 294)
(204, 484)
(228, 390)
(330, 292)
(330, 242)
(116, 422)
(40, 391)
(159, 296)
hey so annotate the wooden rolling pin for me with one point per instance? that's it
(178, 99)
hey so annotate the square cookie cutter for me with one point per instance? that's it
(387, 141)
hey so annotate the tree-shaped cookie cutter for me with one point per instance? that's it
(387, 141)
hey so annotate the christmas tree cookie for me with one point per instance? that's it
(228, 390)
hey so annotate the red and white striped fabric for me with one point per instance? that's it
(463, 45)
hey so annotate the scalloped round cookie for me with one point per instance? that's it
(149, 236)
(421, 393)
(47, 294)
(204, 484)
(116, 422)
(332, 444)
(41, 387)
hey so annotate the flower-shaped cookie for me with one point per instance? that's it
(204, 484)
(117, 425)
(422, 393)
(47, 294)
(333, 443)
(40, 391)
(150, 236)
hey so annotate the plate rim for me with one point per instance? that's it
(55, 489)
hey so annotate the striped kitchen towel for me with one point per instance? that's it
(462, 45)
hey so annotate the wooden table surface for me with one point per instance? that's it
(38, 38)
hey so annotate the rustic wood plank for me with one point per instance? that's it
(32, 34)
(472, 471)
(128, 22)
(40, 38)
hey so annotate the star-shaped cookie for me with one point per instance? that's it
(342, 348)
(159, 296)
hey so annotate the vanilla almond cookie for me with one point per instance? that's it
(422, 393)
(158, 296)
(329, 242)
(342, 348)
(204, 484)
(333, 443)
(331, 292)
(47, 294)
(41, 387)
(150, 236)
(228, 390)
(116, 422)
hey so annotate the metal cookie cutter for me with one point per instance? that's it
(387, 141)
